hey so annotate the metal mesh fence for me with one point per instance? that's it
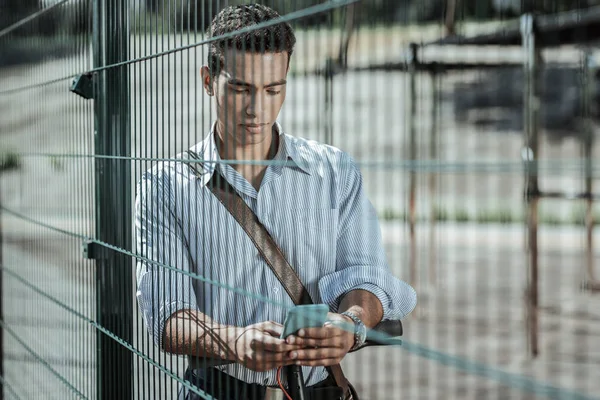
(477, 160)
(48, 288)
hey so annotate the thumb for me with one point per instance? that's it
(272, 328)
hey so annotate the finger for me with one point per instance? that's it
(318, 333)
(273, 328)
(265, 361)
(271, 344)
(271, 357)
(340, 325)
(328, 331)
(335, 341)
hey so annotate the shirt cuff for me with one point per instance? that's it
(164, 314)
(369, 287)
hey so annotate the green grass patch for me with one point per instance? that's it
(391, 215)
(440, 214)
(577, 216)
(462, 216)
(551, 219)
(501, 216)
(492, 216)
(9, 161)
(57, 163)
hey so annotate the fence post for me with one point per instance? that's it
(113, 199)
(1, 306)
(433, 175)
(412, 131)
(329, 72)
(590, 69)
(531, 104)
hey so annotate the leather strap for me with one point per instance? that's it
(267, 247)
(260, 237)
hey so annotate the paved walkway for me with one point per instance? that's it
(475, 311)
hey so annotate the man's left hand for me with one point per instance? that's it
(324, 346)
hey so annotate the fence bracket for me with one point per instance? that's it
(91, 250)
(83, 85)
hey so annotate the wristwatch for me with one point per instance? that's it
(360, 330)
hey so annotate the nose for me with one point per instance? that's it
(256, 104)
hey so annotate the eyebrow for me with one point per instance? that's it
(237, 82)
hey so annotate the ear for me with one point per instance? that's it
(207, 81)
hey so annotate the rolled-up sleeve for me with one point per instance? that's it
(360, 257)
(163, 285)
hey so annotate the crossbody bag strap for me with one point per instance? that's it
(267, 247)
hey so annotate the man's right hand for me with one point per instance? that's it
(259, 348)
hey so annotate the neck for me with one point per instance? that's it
(233, 150)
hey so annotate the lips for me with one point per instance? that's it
(254, 128)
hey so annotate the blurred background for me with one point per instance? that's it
(474, 123)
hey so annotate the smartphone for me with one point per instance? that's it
(304, 316)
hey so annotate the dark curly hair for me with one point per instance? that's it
(274, 38)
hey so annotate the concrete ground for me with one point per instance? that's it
(475, 311)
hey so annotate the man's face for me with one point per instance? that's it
(249, 93)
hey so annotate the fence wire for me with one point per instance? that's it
(481, 174)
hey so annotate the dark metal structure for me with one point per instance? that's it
(113, 195)
(533, 34)
(579, 27)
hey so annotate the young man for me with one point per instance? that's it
(309, 197)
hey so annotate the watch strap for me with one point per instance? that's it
(360, 330)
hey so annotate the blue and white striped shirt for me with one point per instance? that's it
(312, 202)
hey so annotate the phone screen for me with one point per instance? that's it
(304, 316)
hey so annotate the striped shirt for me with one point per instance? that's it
(312, 202)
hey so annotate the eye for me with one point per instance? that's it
(273, 92)
(239, 89)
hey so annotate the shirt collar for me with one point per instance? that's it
(207, 151)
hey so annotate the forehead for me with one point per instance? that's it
(255, 68)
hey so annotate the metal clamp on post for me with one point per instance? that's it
(90, 250)
(83, 85)
(411, 57)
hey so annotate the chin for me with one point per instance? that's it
(253, 139)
